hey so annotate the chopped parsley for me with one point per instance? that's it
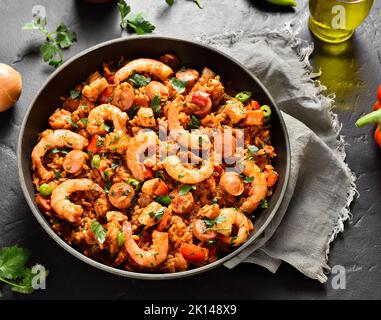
(179, 85)
(74, 94)
(264, 204)
(155, 104)
(185, 189)
(138, 80)
(248, 179)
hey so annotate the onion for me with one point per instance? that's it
(10, 86)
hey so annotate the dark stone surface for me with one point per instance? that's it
(353, 71)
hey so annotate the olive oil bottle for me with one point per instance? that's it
(335, 21)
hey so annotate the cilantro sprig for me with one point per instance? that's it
(136, 22)
(13, 270)
(61, 38)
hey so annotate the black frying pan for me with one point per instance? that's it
(191, 54)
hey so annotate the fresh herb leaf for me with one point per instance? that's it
(139, 80)
(98, 231)
(74, 94)
(253, 150)
(83, 121)
(65, 37)
(61, 38)
(158, 214)
(248, 179)
(137, 22)
(164, 200)
(57, 174)
(264, 204)
(25, 285)
(132, 111)
(74, 124)
(209, 223)
(155, 104)
(108, 182)
(220, 219)
(124, 10)
(170, 2)
(12, 262)
(56, 150)
(100, 141)
(194, 123)
(179, 85)
(185, 189)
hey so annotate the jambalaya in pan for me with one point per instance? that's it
(150, 166)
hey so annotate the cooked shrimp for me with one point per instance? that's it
(74, 161)
(152, 257)
(181, 203)
(150, 66)
(189, 75)
(182, 136)
(106, 112)
(228, 218)
(123, 96)
(258, 190)
(121, 195)
(60, 200)
(93, 90)
(135, 152)
(232, 183)
(225, 144)
(178, 171)
(201, 231)
(209, 211)
(60, 119)
(55, 139)
(155, 88)
(151, 214)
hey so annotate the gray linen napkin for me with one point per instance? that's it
(321, 186)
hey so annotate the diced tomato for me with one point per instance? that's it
(148, 172)
(255, 105)
(379, 94)
(93, 145)
(200, 98)
(106, 94)
(272, 179)
(161, 189)
(194, 253)
(377, 106)
(43, 203)
(165, 220)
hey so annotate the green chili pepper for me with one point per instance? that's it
(120, 238)
(292, 3)
(243, 96)
(266, 111)
(45, 190)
